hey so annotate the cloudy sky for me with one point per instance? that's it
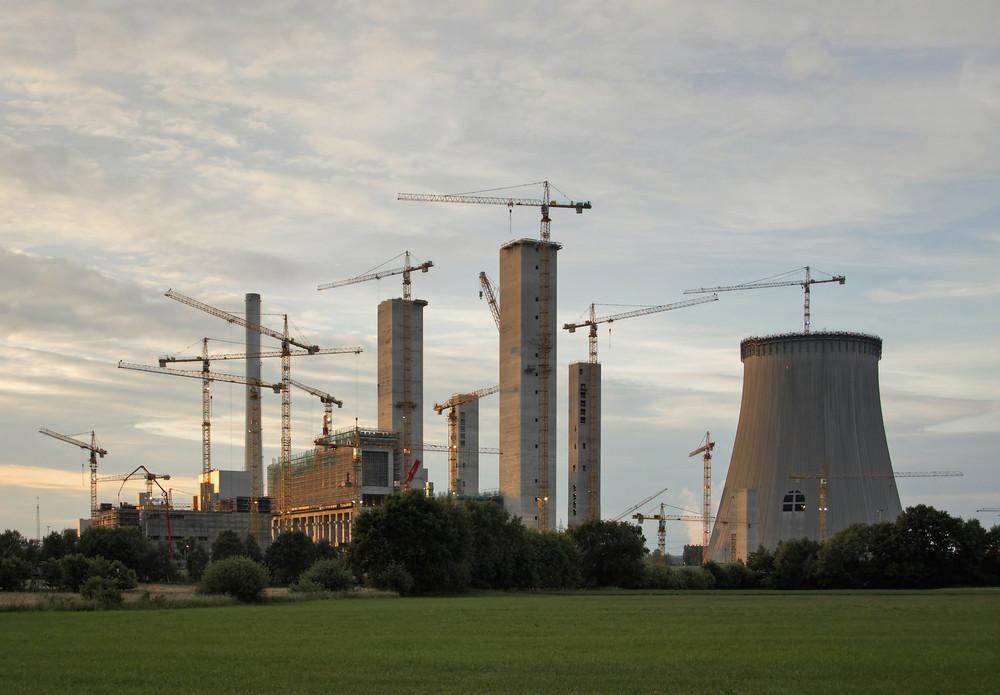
(220, 148)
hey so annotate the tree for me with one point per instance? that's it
(251, 549)
(692, 555)
(429, 538)
(611, 552)
(14, 573)
(227, 543)
(761, 563)
(328, 574)
(238, 576)
(57, 545)
(552, 561)
(795, 563)
(498, 546)
(289, 555)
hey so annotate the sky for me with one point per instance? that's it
(221, 148)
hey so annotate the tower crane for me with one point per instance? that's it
(706, 510)
(822, 477)
(326, 399)
(94, 450)
(408, 403)
(451, 404)
(640, 504)
(545, 341)
(594, 320)
(771, 282)
(661, 528)
(286, 374)
(489, 290)
(405, 271)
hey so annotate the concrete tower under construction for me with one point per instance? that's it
(467, 459)
(527, 380)
(401, 381)
(253, 455)
(584, 489)
(810, 436)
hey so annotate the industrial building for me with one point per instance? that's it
(321, 486)
(810, 455)
(467, 443)
(527, 380)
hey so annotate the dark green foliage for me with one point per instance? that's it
(854, 557)
(761, 563)
(732, 575)
(498, 548)
(289, 555)
(552, 561)
(611, 553)
(391, 576)
(227, 544)
(691, 556)
(104, 591)
(326, 550)
(194, 555)
(13, 544)
(328, 574)
(239, 577)
(660, 577)
(14, 573)
(149, 560)
(694, 578)
(795, 564)
(429, 538)
(58, 545)
(251, 549)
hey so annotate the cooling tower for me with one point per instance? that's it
(811, 417)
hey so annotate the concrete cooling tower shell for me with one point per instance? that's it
(811, 409)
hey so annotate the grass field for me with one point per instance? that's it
(618, 642)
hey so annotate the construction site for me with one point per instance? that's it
(810, 412)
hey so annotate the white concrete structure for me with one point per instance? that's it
(253, 453)
(811, 409)
(401, 381)
(528, 326)
(584, 426)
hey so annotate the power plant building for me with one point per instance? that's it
(527, 380)
(810, 423)
(584, 489)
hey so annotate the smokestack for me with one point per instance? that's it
(253, 456)
(811, 409)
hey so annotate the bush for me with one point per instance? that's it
(103, 591)
(14, 572)
(391, 576)
(659, 576)
(239, 577)
(694, 578)
(331, 574)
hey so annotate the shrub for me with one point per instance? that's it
(694, 578)
(659, 576)
(331, 574)
(391, 576)
(239, 577)
(103, 591)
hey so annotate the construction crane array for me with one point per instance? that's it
(822, 477)
(639, 504)
(94, 450)
(451, 405)
(286, 376)
(706, 510)
(150, 478)
(661, 529)
(545, 341)
(769, 282)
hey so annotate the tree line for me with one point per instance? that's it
(413, 544)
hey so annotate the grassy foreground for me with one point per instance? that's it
(620, 642)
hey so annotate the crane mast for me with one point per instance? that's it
(489, 291)
(94, 450)
(451, 404)
(706, 508)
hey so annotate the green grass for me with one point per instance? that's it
(603, 642)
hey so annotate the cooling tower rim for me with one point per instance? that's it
(756, 346)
